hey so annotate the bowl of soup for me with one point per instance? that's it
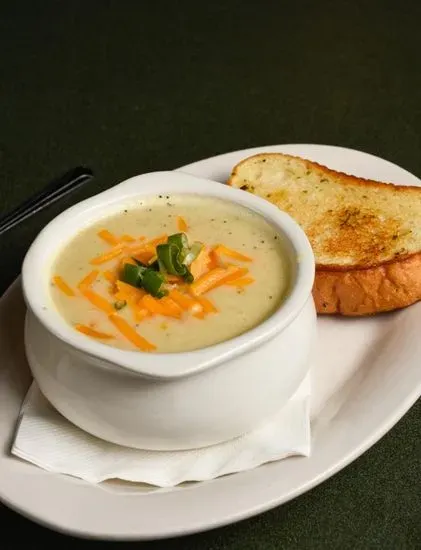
(169, 312)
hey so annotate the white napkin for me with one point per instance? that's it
(48, 440)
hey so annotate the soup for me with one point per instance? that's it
(171, 274)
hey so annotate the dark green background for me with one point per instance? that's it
(128, 87)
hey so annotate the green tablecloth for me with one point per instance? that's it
(128, 87)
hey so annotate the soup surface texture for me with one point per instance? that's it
(239, 274)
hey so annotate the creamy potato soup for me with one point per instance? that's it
(171, 274)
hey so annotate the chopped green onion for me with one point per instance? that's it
(169, 262)
(188, 276)
(140, 276)
(132, 274)
(154, 266)
(175, 256)
(169, 259)
(152, 282)
(192, 253)
(179, 240)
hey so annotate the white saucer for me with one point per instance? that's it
(367, 376)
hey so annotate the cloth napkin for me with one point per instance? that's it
(45, 438)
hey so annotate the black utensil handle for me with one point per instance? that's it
(58, 188)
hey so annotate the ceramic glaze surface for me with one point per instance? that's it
(184, 400)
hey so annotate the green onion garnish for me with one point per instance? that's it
(152, 282)
(132, 274)
(192, 253)
(169, 259)
(188, 276)
(179, 240)
(140, 276)
(154, 266)
(175, 256)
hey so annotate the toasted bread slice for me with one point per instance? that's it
(366, 235)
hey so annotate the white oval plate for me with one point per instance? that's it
(358, 396)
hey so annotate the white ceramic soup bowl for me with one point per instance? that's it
(168, 401)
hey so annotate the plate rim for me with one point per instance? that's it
(277, 148)
(394, 416)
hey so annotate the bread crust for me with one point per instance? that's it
(361, 290)
(368, 291)
(347, 178)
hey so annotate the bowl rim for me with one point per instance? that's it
(58, 232)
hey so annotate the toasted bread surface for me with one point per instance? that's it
(350, 222)
(366, 235)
